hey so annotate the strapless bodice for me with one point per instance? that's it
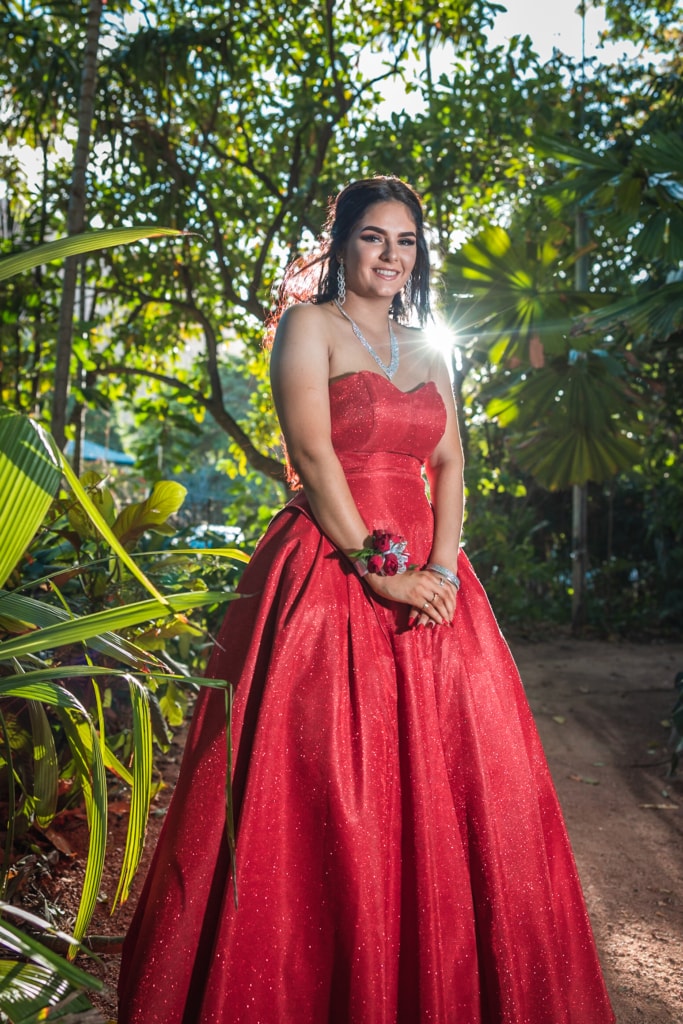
(382, 436)
(375, 424)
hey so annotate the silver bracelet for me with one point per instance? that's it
(446, 573)
(360, 567)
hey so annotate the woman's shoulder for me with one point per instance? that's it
(305, 314)
(304, 326)
(413, 335)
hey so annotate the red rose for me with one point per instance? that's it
(381, 541)
(375, 563)
(390, 564)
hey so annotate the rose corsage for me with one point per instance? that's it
(384, 554)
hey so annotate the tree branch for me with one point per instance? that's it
(265, 464)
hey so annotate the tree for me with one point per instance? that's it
(578, 416)
(189, 118)
(75, 220)
(235, 123)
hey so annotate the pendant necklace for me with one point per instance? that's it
(389, 370)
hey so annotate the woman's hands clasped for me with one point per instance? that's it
(431, 598)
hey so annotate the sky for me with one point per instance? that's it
(550, 23)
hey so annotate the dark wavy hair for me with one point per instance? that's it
(313, 278)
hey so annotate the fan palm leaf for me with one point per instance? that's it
(576, 420)
(514, 302)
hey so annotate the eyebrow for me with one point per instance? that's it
(381, 231)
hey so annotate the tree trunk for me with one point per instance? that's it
(76, 219)
(580, 491)
(579, 555)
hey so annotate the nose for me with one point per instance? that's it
(390, 251)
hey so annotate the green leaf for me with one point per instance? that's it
(88, 626)
(235, 553)
(173, 704)
(165, 499)
(101, 497)
(512, 299)
(142, 786)
(100, 524)
(74, 245)
(576, 418)
(31, 680)
(49, 978)
(17, 941)
(87, 756)
(568, 152)
(30, 993)
(29, 611)
(11, 804)
(650, 315)
(46, 766)
(29, 477)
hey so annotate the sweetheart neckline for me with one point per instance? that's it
(380, 376)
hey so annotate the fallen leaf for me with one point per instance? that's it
(119, 807)
(560, 719)
(59, 842)
(586, 779)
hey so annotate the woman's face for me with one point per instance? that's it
(380, 254)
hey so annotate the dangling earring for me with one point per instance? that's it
(408, 293)
(341, 284)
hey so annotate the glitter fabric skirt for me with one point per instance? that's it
(401, 856)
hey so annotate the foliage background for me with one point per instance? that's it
(235, 123)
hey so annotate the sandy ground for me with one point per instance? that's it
(602, 712)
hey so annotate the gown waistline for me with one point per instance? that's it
(380, 462)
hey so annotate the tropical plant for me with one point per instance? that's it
(31, 669)
(574, 414)
(39, 983)
(635, 187)
(234, 123)
(90, 241)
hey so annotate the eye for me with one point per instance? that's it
(410, 242)
(371, 238)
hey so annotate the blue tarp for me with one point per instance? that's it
(91, 452)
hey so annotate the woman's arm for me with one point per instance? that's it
(300, 383)
(299, 372)
(445, 475)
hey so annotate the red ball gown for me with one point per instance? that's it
(401, 856)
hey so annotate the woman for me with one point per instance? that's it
(400, 852)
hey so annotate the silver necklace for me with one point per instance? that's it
(389, 370)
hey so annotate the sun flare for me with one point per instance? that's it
(444, 339)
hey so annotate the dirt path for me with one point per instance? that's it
(599, 708)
